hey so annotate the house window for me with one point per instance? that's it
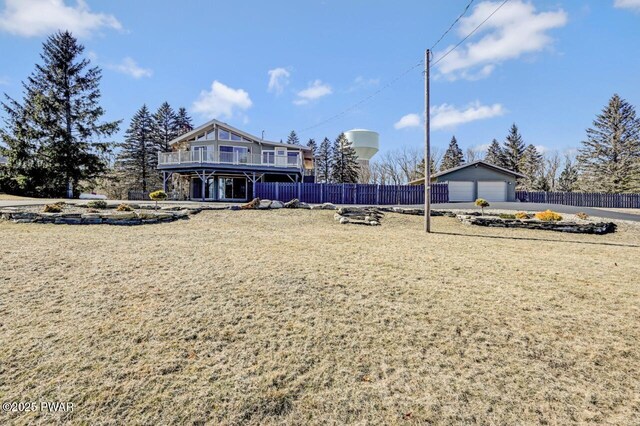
(234, 154)
(223, 135)
(200, 136)
(292, 158)
(211, 134)
(268, 157)
(235, 137)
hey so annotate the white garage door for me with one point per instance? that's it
(492, 190)
(461, 191)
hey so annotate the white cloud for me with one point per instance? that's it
(516, 29)
(627, 4)
(221, 101)
(278, 79)
(30, 18)
(409, 120)
(315, 90)
(445, 116)
(542, 149)
(129, 67)
(361, 82)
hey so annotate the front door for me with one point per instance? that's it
(232, 188)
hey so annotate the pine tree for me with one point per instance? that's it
(531, 167)
(610, 156)
(344, 161)
(54, 136)
(136, 159)
(323, 162)
(165, 127)
(420, 171)
(568, 177)
(495, 155)
(513, 150)
(453, 157)
(314, 147)
(293, 138)
(183, 122)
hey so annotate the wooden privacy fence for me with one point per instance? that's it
(581, 199)
(350, 193)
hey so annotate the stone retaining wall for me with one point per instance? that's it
(598, 228)
(106, 218)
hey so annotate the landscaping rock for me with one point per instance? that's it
(264, 204)
(328, 206)
(293, 204)
(68, 221)
(276, 204)
(571, 227)
(359, 215)
(303, 205)
(253, 204)
(233, 207)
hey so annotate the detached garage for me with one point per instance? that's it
(478, 180)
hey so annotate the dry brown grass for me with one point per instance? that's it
(286, 317)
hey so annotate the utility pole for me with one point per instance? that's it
(427, 145)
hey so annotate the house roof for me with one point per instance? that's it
(199, 129)
(474, 164)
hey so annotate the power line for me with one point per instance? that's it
(464, 12)
(400, 76)
(470, 34)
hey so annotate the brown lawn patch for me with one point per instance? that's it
(271, 317)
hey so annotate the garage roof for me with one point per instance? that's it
(474, 164)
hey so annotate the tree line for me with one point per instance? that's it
(57, 142)
(334, 162)
(608, 160)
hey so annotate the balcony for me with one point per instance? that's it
(167, 160)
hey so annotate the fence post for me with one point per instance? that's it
(377, 194)
(277, 190)
(343, 193)
(321, 192)
(299, 191)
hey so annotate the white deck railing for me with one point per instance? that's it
(177, 158)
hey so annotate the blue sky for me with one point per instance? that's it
(548, 66)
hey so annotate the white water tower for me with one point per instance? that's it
(365, 142)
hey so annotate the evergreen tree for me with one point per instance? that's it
(344, 161)
(314, 147)
(53, 137)
(323, 162)
(531, 167)
(137, 155)
(495, 155)
(610, 157)
(420, 171)
(165, 127)
(183, 122)
(568, 177)
(513, 150)
(453, 157)
(293, 138)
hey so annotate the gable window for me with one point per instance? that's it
(223, 134)
(235, 137)
(211, 134)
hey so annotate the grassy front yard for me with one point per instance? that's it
(266, 317)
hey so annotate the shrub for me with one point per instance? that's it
(482, 203)
(97, 204)
(582, 215)
(522, 215)
(548, 216)
(159, 195)
(124, 208)
(507, 216)
(53, 208)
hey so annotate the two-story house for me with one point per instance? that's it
(217, 162)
